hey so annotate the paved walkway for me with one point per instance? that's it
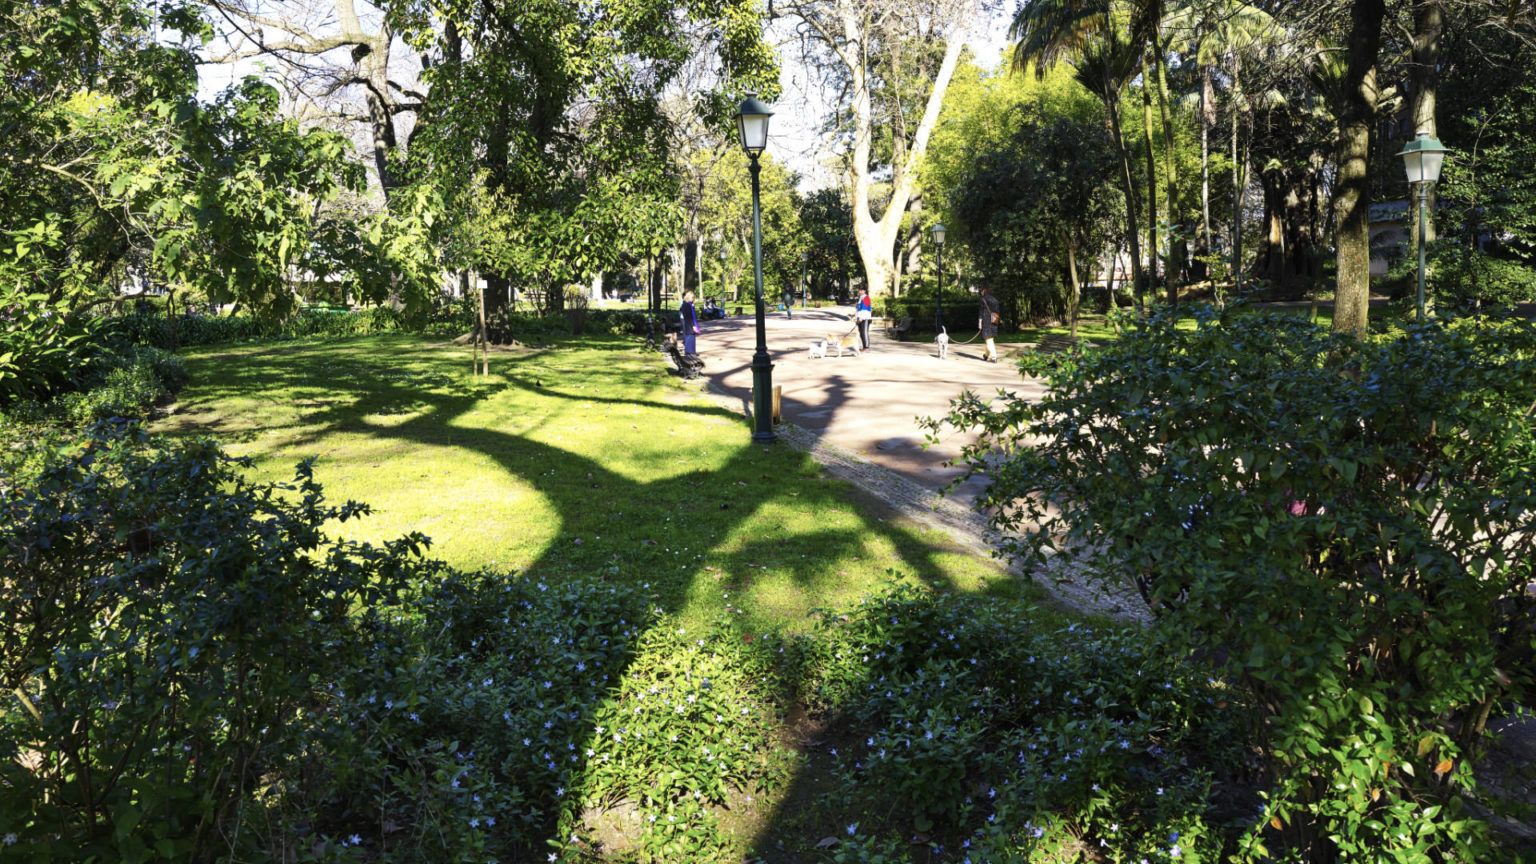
(869, 404)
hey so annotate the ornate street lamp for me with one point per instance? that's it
(752, 124)
(1421, 159)
(938, 242)
(722, 273)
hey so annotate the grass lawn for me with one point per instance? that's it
(587, 458)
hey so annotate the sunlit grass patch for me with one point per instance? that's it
(584, 459)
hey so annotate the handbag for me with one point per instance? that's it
(995, 317)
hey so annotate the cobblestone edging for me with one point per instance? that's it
(1067, 585)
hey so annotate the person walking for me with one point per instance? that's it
(864, 313)
(690, 325)
(787, 297)
(987, 323)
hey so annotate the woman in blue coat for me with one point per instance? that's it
(690, 324)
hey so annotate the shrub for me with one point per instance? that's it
(128, 392)
(982, 724)
(616, 322)
(168, 629)
(1344, 528)
(1461, 278)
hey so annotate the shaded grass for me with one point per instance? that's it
(587, 458)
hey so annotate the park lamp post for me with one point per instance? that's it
(938, 242)
(752, 124)
(722, 271)
(1422, 158)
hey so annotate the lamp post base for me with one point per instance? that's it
(762, 399)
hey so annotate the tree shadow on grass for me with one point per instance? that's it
(697, 537)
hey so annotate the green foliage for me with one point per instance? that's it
(726, 212)
(128, 392)
(1046, 192)
(828, 219)
(570, 198)
(1346, 523)
(1461, 278)
(117, 169)
(984, 724)
(690, 729)
(961, 311)
(39, 347)
(168, 629)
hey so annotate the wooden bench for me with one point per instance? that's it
(901, 328)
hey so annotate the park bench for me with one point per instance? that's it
(901, 328)
(687, 366)
(1054, 343)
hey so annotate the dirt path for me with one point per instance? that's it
(857, 416)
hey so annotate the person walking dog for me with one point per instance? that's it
(864, 312)
(987, 324)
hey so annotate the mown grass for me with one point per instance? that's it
(584, 459)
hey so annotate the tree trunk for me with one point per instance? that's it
(1428, 25)
(1238, 178)
(1207, 120)
(876, 239)
(1177, 250)
(1352, 292)
(1133, 235)
(1077, 288)
(1146, 122)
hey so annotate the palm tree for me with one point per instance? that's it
(1051, 30)
(1213, 31)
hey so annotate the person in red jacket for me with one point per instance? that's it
(864, 313)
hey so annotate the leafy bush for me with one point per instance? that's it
(1460, 278)
(123, 386)
(39, 347)
(1343, 527)
(960, 311)
(167, 629)
(982, 724)
(616, 322)
(128, 392)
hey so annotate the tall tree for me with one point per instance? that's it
(845, 39)
(561, 104)
(1424, 80)
(328, 54)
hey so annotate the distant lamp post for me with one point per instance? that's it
(752, 123)
(722, 273)
(805, 287)
(1422, 158)
(938, 242)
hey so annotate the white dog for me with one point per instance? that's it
(943, 342)
(818, 350)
